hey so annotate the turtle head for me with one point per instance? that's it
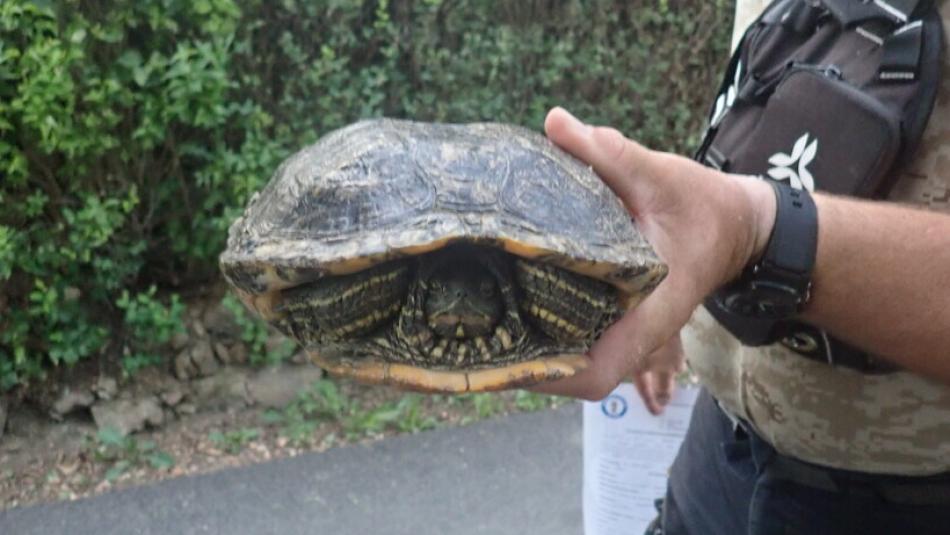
(462, 300)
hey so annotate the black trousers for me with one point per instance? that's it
(729, 481)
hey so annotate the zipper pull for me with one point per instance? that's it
(832, 71)
(829, 71)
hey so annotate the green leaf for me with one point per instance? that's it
(272, 416)
(140, 76)
(161, 460)
(110, 436)
(78, 36)
(130, 59)
(117, 470)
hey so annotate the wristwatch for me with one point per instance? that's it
(758, 306)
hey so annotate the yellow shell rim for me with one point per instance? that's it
(517, 375)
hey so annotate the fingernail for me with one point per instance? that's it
(662, 399)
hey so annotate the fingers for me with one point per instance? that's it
(615, 158)
(655, 380)
(645, 389)
(662, 387)
(655, 389)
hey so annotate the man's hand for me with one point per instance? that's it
(706, 225)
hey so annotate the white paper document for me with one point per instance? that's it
(627, 456)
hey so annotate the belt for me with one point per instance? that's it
(904, 490)
(929, 491)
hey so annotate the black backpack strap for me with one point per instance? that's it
(722, 102)
(803, 17)
(929, 49)
(853, 12)
(901, 57)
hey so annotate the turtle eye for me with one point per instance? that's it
(487, 288)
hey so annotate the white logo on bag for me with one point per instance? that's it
(785, 168)
(726, 99)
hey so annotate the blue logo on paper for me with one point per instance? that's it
(614, 406)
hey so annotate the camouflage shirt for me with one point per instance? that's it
(895, 423)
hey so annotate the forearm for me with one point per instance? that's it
(882, 281)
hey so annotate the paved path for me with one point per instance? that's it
(519, 475)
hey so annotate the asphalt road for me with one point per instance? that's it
(519, 474)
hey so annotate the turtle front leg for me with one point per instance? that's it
(411, 340)
(344, 307)
(564, 305)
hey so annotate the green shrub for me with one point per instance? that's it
(149, 324)
(132, 133)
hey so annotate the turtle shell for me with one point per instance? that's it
(383, 189)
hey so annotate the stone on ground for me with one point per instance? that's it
(71, 400)
(225, 389)
(276, 387)
(128, 416)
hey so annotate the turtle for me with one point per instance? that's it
(439, 257)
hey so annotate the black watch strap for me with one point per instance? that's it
(789, 258)
(757, 307)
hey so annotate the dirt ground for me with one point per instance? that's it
(42, 461)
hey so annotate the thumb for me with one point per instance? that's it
(616, 159)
